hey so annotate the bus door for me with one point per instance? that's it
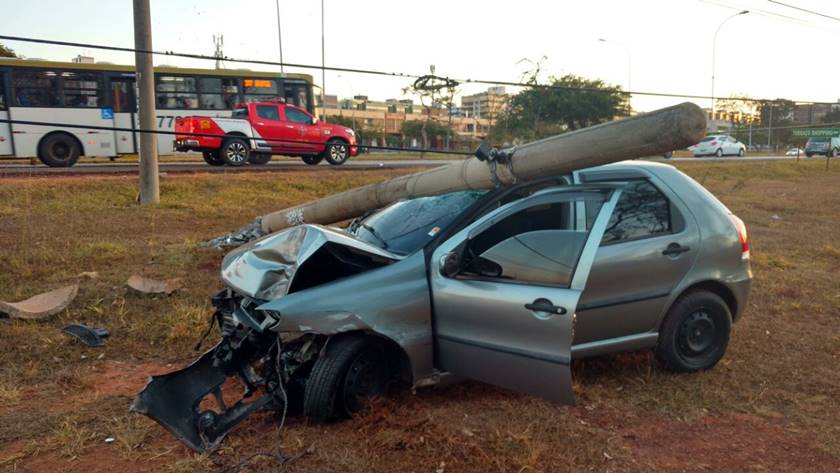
(124, 108)
(5, 128)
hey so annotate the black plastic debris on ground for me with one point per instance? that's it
(90, 336)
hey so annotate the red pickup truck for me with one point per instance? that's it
(256, 131)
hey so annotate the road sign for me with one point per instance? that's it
(809, 132)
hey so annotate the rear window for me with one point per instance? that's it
(821, 139)
(708, 138)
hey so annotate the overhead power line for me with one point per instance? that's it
(391, 74)
(812, 12)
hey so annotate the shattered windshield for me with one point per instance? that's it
(405, 226)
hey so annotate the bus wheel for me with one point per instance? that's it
(235, 151)
(259, 158)
(59, 150)
(312, 160)
(212, 158)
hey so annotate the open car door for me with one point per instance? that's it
(505, 290)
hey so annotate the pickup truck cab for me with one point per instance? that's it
(257, 130)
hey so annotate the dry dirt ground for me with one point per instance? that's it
(771, 405)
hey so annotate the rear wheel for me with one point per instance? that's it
(259, 158)
(695, 332)
(59, 150)
(809, 154)
(235, 152)
(313, 160)
(351, 370)
(212, 158)
(668, 155)
(337, 152)
(719, 152)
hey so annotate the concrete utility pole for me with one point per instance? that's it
(149, 179)
(279, 36)
(714, 52)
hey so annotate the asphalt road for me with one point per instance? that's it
(277, 165)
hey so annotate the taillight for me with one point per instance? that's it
(742, 236)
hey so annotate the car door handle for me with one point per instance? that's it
(545, 305)
(260, 123)
(675, 249)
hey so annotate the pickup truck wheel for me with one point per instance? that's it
(337, 152)
(313, 160)
(695, 332)
(345, 376)
(59, 150)
(212, 158)
(235, 151)
(259, 158)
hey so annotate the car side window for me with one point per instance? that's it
(535, 245)
(642, 211)
(269, 112)
(296, 116)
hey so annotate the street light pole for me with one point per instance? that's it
(627, 52)
(279, 35)
(323, 70)
(714, 52)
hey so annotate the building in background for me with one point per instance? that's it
(487, 104)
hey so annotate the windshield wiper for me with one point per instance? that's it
(376, 235)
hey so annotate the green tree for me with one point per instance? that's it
(432, 129)
(572, 102)
(832, 116)
(341, 120)
(6, 51)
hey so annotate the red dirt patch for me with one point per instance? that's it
(723, 442)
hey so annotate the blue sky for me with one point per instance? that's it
(772, 52)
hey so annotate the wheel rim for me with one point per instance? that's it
(60, 150)
(236, 152)
(698, 334)
(364, 379)
(338, 153)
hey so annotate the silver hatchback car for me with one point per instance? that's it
(506, 287)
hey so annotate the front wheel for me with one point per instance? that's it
(719, 152)
(695, 333)
(235, 152)
(351, 370)
(741, 153)
(259, 158)
(59, 150)
(808, 155)
(337, 152)
(212, 158)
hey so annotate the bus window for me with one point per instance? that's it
(83, 89)
(35, 88)
(2, 93)
(259, 90)
(122, 95)
(296, 93)
(176, 92)
(217, 93)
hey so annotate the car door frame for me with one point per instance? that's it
(548, 373)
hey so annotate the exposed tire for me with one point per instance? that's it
(212, 158)
(695, 332)
(719, 152)
(259, 158)
(235, 151)
(808, 155)
(59, 150)
(351, 370)
(741, 153)
(336, 152)
(668, 155)
(313, 160)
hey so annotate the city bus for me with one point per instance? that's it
(105, 95)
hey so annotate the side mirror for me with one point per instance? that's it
(450, 264)
(314, 120)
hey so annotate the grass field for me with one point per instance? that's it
(772, 404)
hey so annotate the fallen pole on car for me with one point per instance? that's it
(647, 134)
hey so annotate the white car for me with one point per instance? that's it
(718, 145)
(795, 152)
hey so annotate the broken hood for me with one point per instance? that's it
(297, 258)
